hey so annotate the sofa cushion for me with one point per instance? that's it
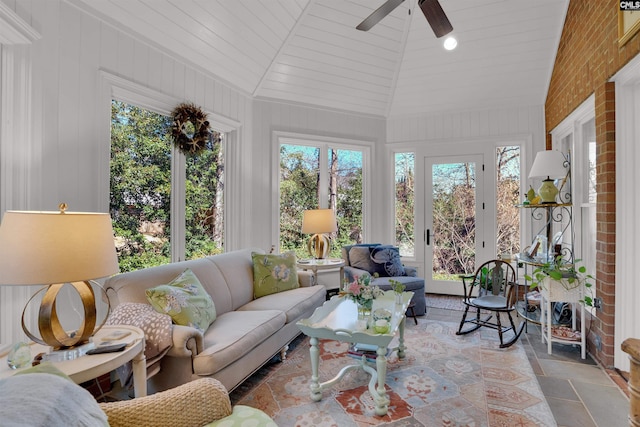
(233, 335)
(273, 273)
(293, 303)
(185, 300)
(381, 259)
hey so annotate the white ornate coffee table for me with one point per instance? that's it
(337, 320)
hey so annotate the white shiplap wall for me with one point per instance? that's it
(67, 119)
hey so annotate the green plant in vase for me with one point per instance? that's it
(570, 275)
(398, 288)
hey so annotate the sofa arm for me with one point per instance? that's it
(350, 273)
(306, 278)
(187, 342)
(410, 271)
(195, 403)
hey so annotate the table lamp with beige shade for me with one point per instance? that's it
(55, 249)
(319, 222)
(550, 165)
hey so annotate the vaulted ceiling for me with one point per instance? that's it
(309, 52)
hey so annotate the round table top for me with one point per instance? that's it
(87, 367)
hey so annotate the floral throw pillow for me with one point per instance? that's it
(273, 273)
(185, 300)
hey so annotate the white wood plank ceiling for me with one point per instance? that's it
(308, 51)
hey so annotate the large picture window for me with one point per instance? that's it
(150, 180)
(320, 175)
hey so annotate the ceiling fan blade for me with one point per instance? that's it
(378, 14)
(437, 18)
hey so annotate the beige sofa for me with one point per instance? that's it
(246, 334)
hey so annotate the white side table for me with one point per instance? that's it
(322, 264)
(88, 367)
(553, 291)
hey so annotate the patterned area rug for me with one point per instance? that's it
(449, 302)
(444, 380)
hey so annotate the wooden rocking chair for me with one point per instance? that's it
(491, 289)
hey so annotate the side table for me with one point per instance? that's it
(323, 264)
(553, 291)
(88, 367)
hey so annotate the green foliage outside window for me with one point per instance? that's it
(299, 191)
(140, 190)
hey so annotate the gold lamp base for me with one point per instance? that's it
(319, 246)
(51, 331)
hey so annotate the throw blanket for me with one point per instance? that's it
(47, 400)
(157, 328)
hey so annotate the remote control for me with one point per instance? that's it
(107, 348)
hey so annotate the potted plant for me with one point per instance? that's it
(563, 280)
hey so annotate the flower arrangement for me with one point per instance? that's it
(362, 292)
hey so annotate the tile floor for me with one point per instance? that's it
(580, 392)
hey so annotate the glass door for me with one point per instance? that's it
(453, 220)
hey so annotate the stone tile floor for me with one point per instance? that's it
(580, 392)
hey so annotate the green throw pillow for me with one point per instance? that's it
(185, 300)
(273, 273)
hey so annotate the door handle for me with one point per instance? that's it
(427, 237)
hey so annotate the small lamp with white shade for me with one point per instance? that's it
(550, 165)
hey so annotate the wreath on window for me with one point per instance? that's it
(190, 129)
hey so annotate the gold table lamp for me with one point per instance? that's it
(55, 248)
(319, 222)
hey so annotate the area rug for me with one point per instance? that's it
(444, 380)
(449, 302)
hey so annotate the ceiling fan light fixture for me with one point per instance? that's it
(450, 43)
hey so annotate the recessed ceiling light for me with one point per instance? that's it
(450, 43)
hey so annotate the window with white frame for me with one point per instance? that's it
(165, 205)
(320, 174)
(404, 207)
(575, 137)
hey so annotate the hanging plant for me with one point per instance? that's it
(190, 128)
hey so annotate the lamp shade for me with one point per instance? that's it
(548, 164)
(38, 248)
(318, 221)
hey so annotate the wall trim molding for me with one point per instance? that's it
(627, 296)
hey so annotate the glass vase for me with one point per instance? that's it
(364, 314)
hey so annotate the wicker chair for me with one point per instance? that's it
(196, 403)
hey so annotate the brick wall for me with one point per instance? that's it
(588, 55)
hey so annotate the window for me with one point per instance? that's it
(507, 190)
(320, 175)
(148, 193)
(404, 203)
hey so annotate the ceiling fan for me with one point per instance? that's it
(431, 8)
